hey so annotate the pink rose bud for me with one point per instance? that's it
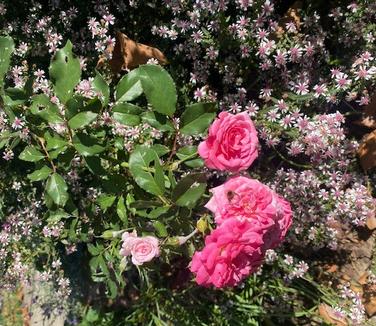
(232, 143)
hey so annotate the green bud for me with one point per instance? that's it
(173, 241)
(202, 225)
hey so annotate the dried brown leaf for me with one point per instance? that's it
(128, 54)
(371, 222)
(370, 306)
(367, 151)
(364, 278)
(291, 16)
(369, 114)
(328, 315)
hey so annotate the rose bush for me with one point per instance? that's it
(105, 163)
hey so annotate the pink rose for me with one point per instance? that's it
(142, 249)
(231, 252)
(251, 200)
(283, 217)
(242, 197)
(231, 144)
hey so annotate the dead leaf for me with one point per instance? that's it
(371, 222)
(357, 287)
(128, 54)
(331, 268)
(367, 151)
(370, 306)
(369, 114)
(329, 315)
(291, 16)
(364, 278)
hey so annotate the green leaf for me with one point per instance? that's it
(95, 251)
(142, 204)
(57, 189)
(54, 141)
(65, 72)
(121, 211)
(6, 50)
(94, 165)
(15, 96)
(127, 114)
(58, 215)
(101, 86)
(189, 190)
(128, 88)
(196, 118)
(158, 87)
(139, 166)
(161, 149)
(87, 145)
(187, 151)
(31, 154)
(158, 121)
(43, 107)
(160, 228)
(40, 174)
(113, 289)
(106, 201)
(82, 119)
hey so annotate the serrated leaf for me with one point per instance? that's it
(106, 201)
(6, 50)
(93, 249)
(189, 190)
(121, 211)
(82, 119)
(54, 141)
(65, 72)
(58, 215)
(158, 121)
(101, 86)
(87, 145)
(158, 87)
(128, 88)
(127, 114)
(196, 118)
(31, 154)
(187, 151)
(160, 228)
(94, 165)
(139, 166)
(57, 189)
(40, 174)
(43, 107)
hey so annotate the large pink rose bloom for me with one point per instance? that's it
(251, 200)
(283, 218)
(242, 197)
(142, 249)
(231, 253)
(232, 143)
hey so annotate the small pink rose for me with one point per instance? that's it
(232, 143)
(142, 249)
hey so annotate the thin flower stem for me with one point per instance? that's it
(303, 166)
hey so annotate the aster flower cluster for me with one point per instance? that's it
(323, 201)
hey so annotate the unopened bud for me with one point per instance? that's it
(173, 241)
(202, 225)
